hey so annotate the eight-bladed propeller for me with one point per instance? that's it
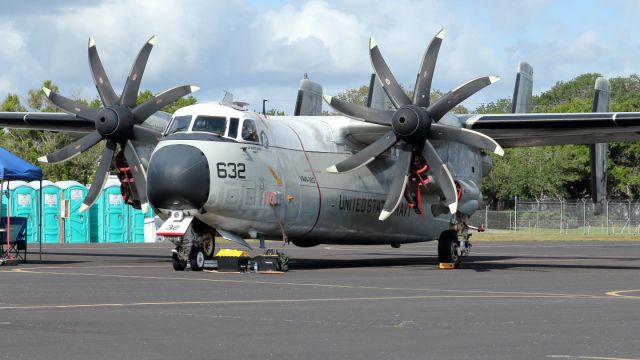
(412, 124)
(118, 122)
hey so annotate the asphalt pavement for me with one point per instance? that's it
(512, 300)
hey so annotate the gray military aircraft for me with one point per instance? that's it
(373, 176)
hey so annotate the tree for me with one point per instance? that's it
(12, 103)
(275, 112)
(359, 96)
(171, 108)
(570, 162)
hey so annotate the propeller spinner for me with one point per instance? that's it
(118, 122)
(413, 124)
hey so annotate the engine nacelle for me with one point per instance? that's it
(470, 197)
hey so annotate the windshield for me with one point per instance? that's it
(249, 132)
(211, 124)
(179, 123)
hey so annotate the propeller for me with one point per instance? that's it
(413, 124)
(119, 121)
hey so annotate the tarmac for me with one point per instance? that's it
(512, 300)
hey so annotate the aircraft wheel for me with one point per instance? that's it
(196, 259)
(178, 264)
(208, 246)
(448, 248)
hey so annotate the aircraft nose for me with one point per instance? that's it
(178, 178)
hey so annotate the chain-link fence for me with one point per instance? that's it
(563, 216)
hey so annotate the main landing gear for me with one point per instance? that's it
(452, 250)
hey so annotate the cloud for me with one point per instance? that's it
(250, 46)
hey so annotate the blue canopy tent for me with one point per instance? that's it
(14, 168)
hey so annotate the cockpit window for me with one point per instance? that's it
(233, 127)
(211, 124)
(179, 123)
(249, 131)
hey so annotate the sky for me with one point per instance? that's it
(261, 49)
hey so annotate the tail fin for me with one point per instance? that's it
(523, 90)
(309, 100)
(377, 98)
(598, 153)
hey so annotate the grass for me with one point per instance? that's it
(550, 235)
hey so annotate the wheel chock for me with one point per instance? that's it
(447, 266)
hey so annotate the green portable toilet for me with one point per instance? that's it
(108, 215)
(50, 211)
(76, 225)
(24, 203)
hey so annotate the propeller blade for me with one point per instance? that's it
(70, 106)
(458, 95)
(358, 112)
(146, 135)
(442, 176)
(389, 83)
(400, 176)
(465, 136)
(149, 107)
(72, 150)
(101, 176)
(366, 155)
(422, 89)
(105, 90)
(131, 87)
(139, 174)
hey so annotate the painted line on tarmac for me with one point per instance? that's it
(273, 301)
(82, 267)
(333, 286)
(542, 257)
(623, 294)
(588, 357)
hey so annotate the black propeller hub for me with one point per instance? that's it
(115, 122)
(411, 123)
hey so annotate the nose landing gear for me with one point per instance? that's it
(194, 247)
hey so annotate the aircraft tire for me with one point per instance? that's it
(448, 248)
(178, 264)
(209, 246)
(196, 259)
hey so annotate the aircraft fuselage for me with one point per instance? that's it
(276, 177)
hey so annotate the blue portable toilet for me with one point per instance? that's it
(108, 215)
(4, 204)
(50, 211)
(76, 225)
(24, 203)
(137, 223)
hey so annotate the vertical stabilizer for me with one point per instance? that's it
(309, 100)
(377, 98)
(598, 153)
(523, 90)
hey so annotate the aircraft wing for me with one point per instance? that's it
(68, 123)
(521, 130)
(45, 121)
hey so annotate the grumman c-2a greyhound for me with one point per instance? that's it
(374, 176)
